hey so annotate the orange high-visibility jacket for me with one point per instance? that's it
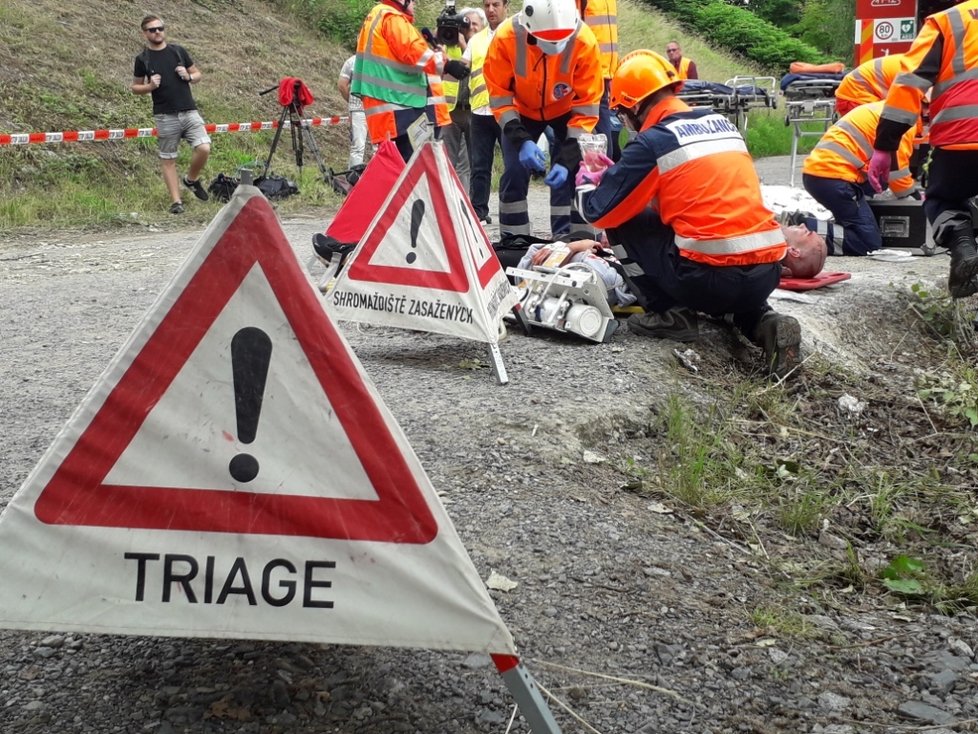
(944, 55)
(525, 82)
(693, 168)
(602, 18)
(870, 81)
(844, 151)
(394, 70)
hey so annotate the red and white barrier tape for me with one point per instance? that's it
(79, 136)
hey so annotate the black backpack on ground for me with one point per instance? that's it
(222, 187)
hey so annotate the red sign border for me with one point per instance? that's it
(77, 494)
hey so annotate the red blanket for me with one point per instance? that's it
(807, 284)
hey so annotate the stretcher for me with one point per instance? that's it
(734, 98)
(809, 98)
(570, 298)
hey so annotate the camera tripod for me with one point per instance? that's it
(301, 132)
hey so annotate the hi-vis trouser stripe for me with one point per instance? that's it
(832, 233)
(514, 218)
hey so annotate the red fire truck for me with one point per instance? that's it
(889, 26)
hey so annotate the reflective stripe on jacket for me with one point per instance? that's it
(392, 69)
(944, 55)
(870, 81)
(478, 46)
(436, 99)
(602, 18)
(844, 151)
(692, 166)
(525, 82)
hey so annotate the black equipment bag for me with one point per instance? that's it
(276, 187)
(222, 187)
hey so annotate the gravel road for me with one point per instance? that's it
(609, 583)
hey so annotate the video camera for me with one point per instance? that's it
(449, 24)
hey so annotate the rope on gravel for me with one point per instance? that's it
(626, 681)
(567, 708)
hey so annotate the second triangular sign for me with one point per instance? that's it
(425, 262)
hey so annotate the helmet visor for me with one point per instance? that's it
(554, 34)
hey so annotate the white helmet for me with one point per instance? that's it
(550, 22)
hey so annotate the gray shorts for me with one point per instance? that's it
(174, 126)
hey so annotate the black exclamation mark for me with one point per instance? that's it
(251, 353)
(417, 214)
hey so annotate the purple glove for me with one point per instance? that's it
(878, 172)
(584, 176)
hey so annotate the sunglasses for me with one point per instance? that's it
(157, 29)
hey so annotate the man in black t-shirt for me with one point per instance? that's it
(166, 71)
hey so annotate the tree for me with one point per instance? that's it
(828, 25)
(782, 13)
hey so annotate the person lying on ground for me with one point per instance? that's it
(804, 258)
(592, 253)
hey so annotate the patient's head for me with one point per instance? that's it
(806, 252)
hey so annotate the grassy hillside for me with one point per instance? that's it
(69, 66)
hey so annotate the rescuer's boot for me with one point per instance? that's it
(780, 338)
(964, 261)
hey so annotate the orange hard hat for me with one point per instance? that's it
(640, 74)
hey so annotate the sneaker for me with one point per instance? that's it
(485, 220)
(197, 187)
(680, 324)
(176, 207)
(780, 338)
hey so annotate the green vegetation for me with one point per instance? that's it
(782, 622)
(879, 502)
(741, 32)
(49, 82)
(771, 33)
(767, 134)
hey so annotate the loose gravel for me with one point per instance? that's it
(634, 615)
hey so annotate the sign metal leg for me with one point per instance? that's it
(498, 368)
(527, 695)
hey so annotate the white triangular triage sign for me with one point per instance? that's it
(233, 473)
(425, 262)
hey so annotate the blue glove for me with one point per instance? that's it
(557, 176)
(532, 157)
